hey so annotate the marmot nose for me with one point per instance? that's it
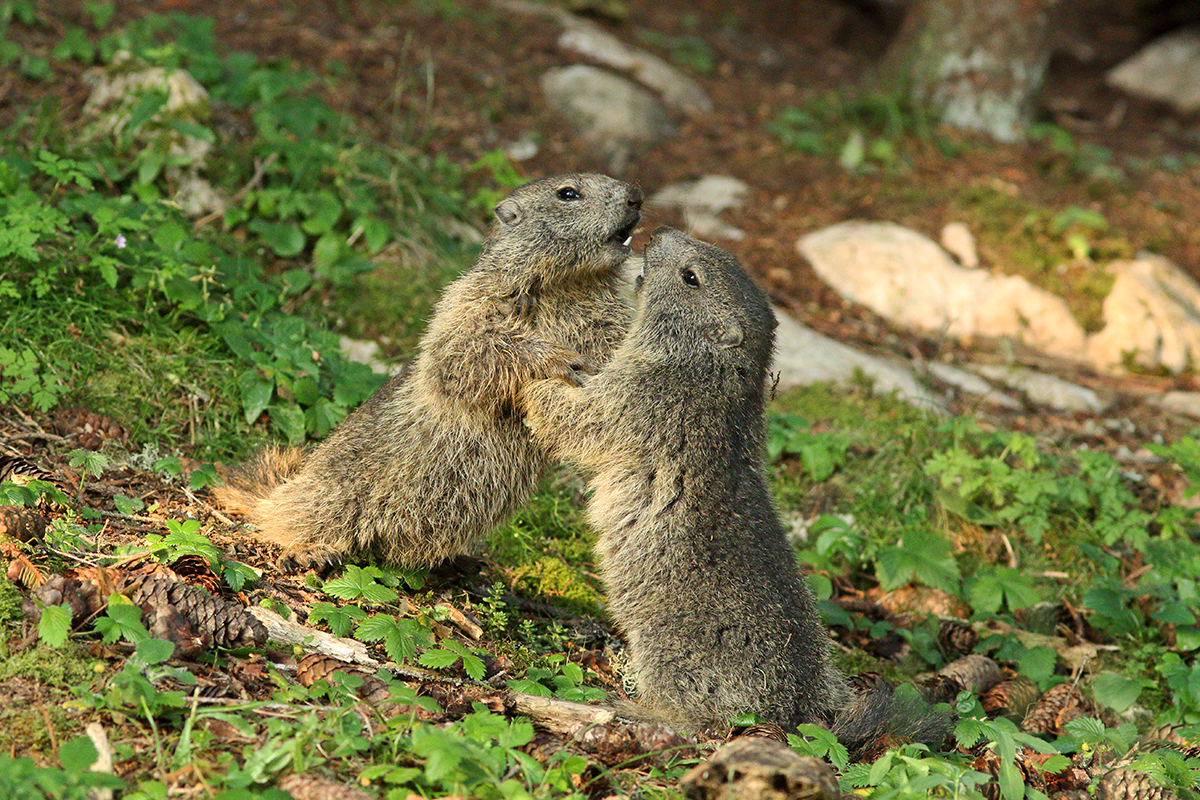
(635, 198)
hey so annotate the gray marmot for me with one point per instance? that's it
(699, 574)
(440, 455)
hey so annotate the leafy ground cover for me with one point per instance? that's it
(140, 346)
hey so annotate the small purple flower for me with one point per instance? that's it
(120, 241)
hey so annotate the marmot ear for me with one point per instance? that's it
(508, 212)
(726, 334)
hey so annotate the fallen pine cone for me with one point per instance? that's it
(316, 667)
(1011, 698)
(975, 672)
(956, 637)
(312, 787)
(1059, 705)
(21, 523)
(758, 768)
(213, 621)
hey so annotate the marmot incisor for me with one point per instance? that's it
(440, 455)
(699, 574)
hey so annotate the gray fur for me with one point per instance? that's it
(699, 574)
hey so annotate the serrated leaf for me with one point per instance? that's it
(155, 651)
(55, 625)
(438, 659)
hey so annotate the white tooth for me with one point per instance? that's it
(628, 239)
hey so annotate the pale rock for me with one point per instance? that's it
(1184, 403)
(1044, 389)
(364, 351)
(608, 111)
(803, 356)
(118, 88)
(677, 90)
(1167, 69)
(1152, 316)
(971, 383)
(116, 91)
(905, 277)
(960, 243)
(702, 201)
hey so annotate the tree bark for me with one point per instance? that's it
(975, 64)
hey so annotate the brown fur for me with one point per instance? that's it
(440, 456)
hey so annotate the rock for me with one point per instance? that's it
(1185, 403)
(1043, 389)
(958, 241)
(971, 383)
(1167, 69)
(905, 277)
(610, 112)
(1152, 317)
(803, 356)
(677, 90)
(759, 768)
(116, 92)
(701, 202)
(364, 351)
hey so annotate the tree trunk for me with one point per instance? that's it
(975, 64)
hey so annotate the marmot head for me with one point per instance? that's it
(698, 297)
(567, 224)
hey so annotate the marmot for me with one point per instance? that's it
(440, 455)
(698, 572)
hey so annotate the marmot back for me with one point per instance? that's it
(699, 574)
(440, 456)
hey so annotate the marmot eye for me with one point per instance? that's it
(689, 276)
(569, 193)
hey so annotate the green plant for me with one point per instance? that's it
(563, 679)
(21, 779)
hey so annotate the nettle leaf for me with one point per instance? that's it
(55, 625)
(358, 582)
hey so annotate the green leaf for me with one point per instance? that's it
(256, 393)
(289, 419)
(1116, 691)
(78, 754)
(438, 659)
(284, 238)
(127, 505)
(55, 625)
(155, 651)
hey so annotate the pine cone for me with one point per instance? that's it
(214, 621)
(975, 672)
(1058, 706)
(22, 524)
(316, 667)
(314, 787)
(1010, 698)
(956, 637)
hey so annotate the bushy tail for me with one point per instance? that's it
(878, 717)
(245, 486)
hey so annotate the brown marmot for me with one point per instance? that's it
(440, 455)
(699, 574)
